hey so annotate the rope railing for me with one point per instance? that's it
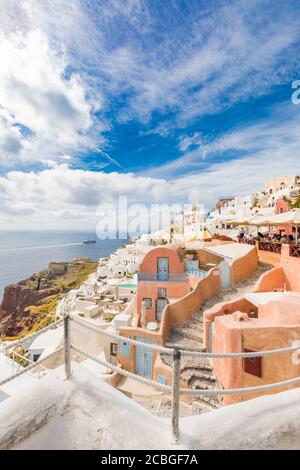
(27, 369)
(240, 391)
(170, 351)
(188, 391)
(184, 391)
(241, 355)
(115, 336)
(173, 389)
(119, 370)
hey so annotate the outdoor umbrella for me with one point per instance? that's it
(291, 217)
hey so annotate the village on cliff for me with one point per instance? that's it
(226, 282)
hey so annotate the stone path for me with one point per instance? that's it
(198, 372)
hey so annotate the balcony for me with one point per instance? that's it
(245, 241)
(197, 272)
(172, 277)
(295, 251)
(273, 247)
(163, 277)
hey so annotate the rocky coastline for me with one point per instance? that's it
(30, 304)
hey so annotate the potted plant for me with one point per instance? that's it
(190, 254)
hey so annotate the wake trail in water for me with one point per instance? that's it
(40, 246)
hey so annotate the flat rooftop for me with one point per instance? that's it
(230, 250)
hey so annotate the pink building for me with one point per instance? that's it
(281, 207)
(173, 283)
(162, 277)
(171, 287)
(268, 318)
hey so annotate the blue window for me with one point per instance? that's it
(148, 303)
(161, 379)
(124, 348)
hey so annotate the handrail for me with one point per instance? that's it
(273, 247)
(174, 389)
(197, 272)
(172, 277)
(162, 277)
(246, 242)
(295, 250)
(30, 367)
(170, 351)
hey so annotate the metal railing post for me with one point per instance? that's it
(175, 396)
(67, 351)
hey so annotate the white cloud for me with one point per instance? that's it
(187, 141)
(276, 136)
(199, 59)
(42, 113)
(62, 60)
(61, 197)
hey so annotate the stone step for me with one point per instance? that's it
(188, 332)
(199, 363)
(189, 374)
(201, 382)
(210, 401)
(185, 344)
(194, 325)
(197, 317)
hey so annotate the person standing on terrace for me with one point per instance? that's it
(242, 233)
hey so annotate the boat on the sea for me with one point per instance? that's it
(88, 241)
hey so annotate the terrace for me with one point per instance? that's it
(172, 277)
(272, 246)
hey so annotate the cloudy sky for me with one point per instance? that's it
(164, 101)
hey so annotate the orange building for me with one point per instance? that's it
(281, 207)
(268, 318)
(162, 277)
(173, 283)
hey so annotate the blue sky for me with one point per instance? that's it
(165, 101)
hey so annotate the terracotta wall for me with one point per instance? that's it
(286, 276)
(159, 337)
(205, 257)
(176, 313)
(233, 336)
(149, 263)
(291, 269)
(274, 368)
(183, 309)
(223, 308)
(228, 338)
(244, 267)
(277, 326)
(281, 207)
(149, 289)
(271, 280)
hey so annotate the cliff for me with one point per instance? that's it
(31, 303)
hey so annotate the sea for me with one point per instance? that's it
(23, 253)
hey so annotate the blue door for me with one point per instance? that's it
(160, 305)
(143, 359)
(162, 269)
